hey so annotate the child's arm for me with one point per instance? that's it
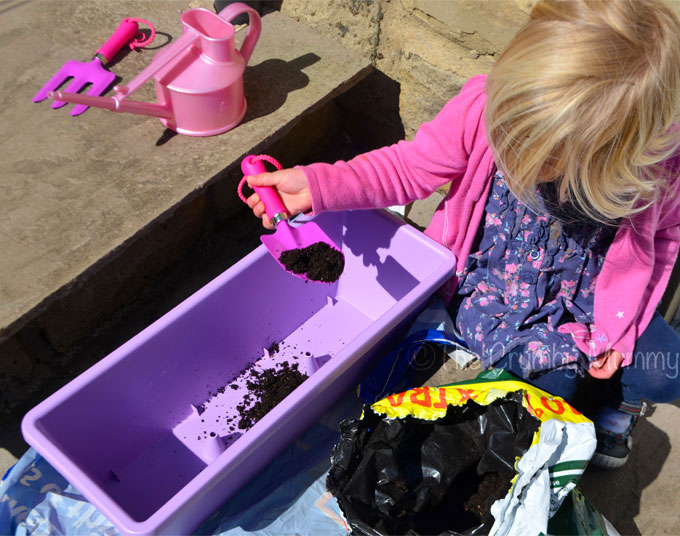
(640, 261)
(406, 171)
(661, 253)
(393, 175)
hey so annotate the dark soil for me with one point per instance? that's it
(465, 504)
(492, 487)
(318, 262)
(267, 388)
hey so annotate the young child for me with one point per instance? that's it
(563, 209)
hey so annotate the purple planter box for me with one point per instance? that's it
(133, 433)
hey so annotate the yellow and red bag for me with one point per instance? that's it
(493, 455)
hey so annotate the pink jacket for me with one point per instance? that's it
(453, 148)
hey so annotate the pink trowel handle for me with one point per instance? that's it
(126, 30)
(276, 210)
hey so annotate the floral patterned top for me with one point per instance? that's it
(532, 272)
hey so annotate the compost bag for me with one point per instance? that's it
(493, 455)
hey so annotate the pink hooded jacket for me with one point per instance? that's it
(454, 148)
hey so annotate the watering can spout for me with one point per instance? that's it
(133, 107)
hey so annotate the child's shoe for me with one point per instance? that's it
(614, 446)
(612, 449)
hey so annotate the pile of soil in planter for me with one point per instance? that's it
(267, 389)
(318, 262)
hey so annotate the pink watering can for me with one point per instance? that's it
(199, 77)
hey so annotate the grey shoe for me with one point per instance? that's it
(612, 449)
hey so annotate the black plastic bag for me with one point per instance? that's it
(421, 477)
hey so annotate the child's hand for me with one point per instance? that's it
(291, 185)
(606, 365)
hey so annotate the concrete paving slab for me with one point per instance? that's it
(642, 497)
(74, 190)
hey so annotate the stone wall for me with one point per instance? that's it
(428, 47)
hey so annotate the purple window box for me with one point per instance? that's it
(132, 433)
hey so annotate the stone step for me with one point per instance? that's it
(92, 207)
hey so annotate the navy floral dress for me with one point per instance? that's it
(532, 272)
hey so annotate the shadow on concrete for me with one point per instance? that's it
(266, 87)
(370, 119)
(616, 493)
(371, 111)
(267, 84)
(156, 43)
(261, 6)
(165, 137)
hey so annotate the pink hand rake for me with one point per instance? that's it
(93, 72)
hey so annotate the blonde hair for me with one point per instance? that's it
(585, 96)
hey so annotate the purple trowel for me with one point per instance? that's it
(304, 251)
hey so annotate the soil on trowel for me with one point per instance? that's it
(318, 262)
(266, 390)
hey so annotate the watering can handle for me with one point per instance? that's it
(254, 26)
